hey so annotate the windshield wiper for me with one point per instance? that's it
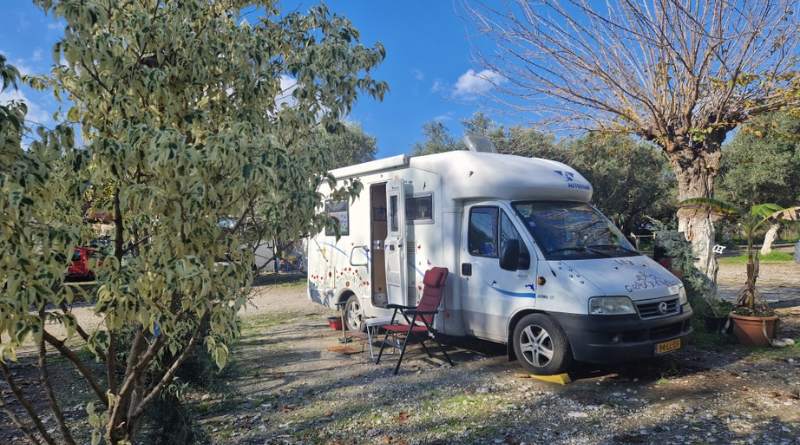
(615, 246)
(580, 249)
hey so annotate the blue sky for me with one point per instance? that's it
(428, 64)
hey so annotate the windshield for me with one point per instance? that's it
(572, 230)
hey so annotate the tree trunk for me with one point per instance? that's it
(696, 168)
(770, 237)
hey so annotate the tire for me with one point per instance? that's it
(354, 315)
(541, 345)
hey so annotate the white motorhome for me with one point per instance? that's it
(532, 263)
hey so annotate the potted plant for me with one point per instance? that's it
(753, 319)
(672, 251)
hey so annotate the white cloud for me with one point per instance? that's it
(418, 74)
(443, 117)
(472, 84)
(37, 55)
(437, 86)
(36, 115)
(24, 68)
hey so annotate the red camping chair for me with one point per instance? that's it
(424, 312)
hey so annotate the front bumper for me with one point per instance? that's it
(618, 338)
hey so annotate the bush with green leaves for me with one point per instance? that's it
(184, 121)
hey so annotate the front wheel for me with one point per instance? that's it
(354, 315)
(542, 345)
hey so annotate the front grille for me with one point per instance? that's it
(651, 308)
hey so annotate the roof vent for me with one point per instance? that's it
(481, 144)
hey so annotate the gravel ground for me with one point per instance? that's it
(287, 387)
(291, 389)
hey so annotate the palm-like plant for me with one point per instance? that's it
(749, 299)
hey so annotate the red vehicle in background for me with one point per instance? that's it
(79, 270)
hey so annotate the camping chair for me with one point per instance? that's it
(424, 312)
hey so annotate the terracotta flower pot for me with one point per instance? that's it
(753, 331)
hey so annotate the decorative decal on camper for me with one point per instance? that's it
(569, 178)
(512, 293)
(351, 277)
(649, 281)
(336, 248)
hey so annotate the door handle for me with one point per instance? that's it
(466, 269)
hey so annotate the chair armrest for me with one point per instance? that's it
(399, 306)
(416, 312)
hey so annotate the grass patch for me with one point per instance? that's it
(772, 256)
(268, 320)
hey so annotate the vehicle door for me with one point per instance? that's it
(491, 294)
(395, 246)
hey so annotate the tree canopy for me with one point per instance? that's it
(183, 111)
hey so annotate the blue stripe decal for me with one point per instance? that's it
(334, 247)
(510, 293)
(419, 272)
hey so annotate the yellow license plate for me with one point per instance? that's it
(668, 346)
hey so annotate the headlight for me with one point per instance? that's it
(682, 295)
(611, 306)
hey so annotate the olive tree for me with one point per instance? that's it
(681, 74)
(184, 112)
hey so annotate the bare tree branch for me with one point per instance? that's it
(79, 365)
(44, 377)
(26, 404)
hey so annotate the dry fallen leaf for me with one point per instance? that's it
(386, 439)
(403, 416)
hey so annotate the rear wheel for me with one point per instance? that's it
(542, 345)
(354, 315)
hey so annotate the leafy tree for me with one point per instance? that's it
(680, 74)
(631, 179)
(437, 139)
(531, 143)
(349, 146)
(762, 162)
(178, 106)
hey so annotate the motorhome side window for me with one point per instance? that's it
(507, 232)
(482, 235)
(419, 208)
(341, 211)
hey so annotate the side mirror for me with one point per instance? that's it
(509, 255)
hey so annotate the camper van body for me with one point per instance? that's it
(598, 298)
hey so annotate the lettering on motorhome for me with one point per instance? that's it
(624, 262)
(573, 185)
(649, 281)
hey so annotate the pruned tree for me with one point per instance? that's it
(681, 74)
(183, 112)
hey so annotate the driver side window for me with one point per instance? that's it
(482, 235)
(507, 232)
